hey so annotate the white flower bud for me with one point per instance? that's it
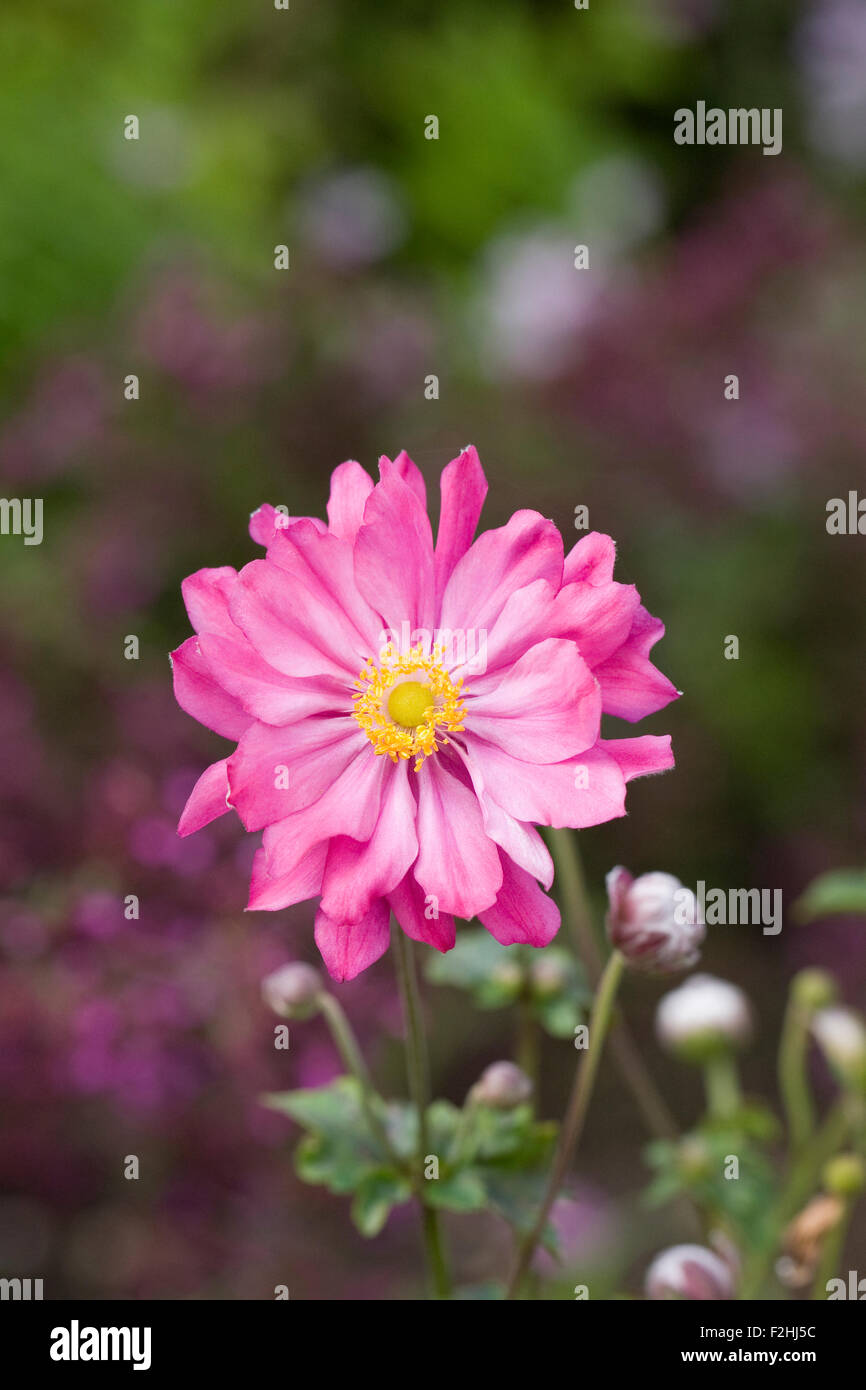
(841, 1035)
(293, 991)
(689, 1271)
(654, 921)
(703, 1016)
(502, 1086)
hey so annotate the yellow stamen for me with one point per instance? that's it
(408, 718)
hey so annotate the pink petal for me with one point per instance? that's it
(206, 595)
(267, 523)
(351, 485)
(520, 841)
(350, 806)
(207, 799)
(349, 947)
(631, 687)
(598, 617)
(546, 708)
(276, 771)
(527, 618)
(497, 564)
(522, 912)
(463, 488)
(586, 790)
(457, 861)
(409, 905)
(640, 757)
(394, 556)
(357, 873)
(298, 630)
(264, 692)
(553, 793)
(323, 565)
(591, 560)
(198, 693)
(403, 468)
(271, 894)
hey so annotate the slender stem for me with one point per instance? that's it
(793, 1082)
(575, 899)
(722, 1086)
(802, 1180)
(347, 1046)
(528, 1047)
(575, 903)
(831, 1254)
(575, 1115)
(417, 1067)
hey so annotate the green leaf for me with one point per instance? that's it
(331, 1163)
(377, 1193)
(558, 1016)
(460, 1191)
(334, 1109)
(494, 974)
(839, 891)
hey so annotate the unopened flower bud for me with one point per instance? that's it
(293, 991)
(703, 1017)
(841, 1035)
(814, 989)
(693, 1157)
(502, 1086)
(844, 1175)
(689, 1271)
(507, 975)
(549, 976)
(654, 921)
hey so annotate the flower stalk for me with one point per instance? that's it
(418, 1071)
(575, 1115)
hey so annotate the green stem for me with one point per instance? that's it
(528, 1048)
(722, 1086)
(417, 1067)
(576, 909)
(575, 1115)
(793, 1082)
(831, 1254)
(803, 1178)
(347, 1046)
(571, 884)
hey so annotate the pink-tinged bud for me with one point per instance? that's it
(654, 921)
(689, 1271)
(702, 1017)
(502, 1086)
(293, 991)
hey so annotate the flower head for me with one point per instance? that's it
(293, 991)
(703, 1016)
(405, 713)
(689, 1272)
(841, 1035)
(501, 1086)
(654, 921)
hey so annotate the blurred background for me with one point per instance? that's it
(602, 387)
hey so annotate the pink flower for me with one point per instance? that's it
(405, 713)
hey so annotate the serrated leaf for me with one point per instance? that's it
(460, 1191)
(377, 1193)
